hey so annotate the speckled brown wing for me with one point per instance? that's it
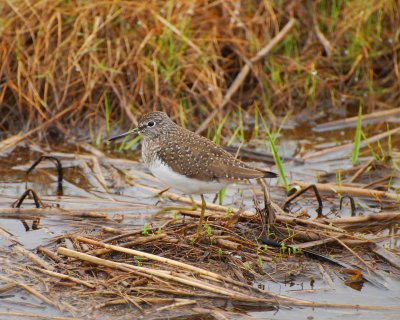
(199, 158)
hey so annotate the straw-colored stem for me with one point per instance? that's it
(201, 220)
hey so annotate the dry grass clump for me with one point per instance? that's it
(109, 61)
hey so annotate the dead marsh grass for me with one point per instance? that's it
(110, 61)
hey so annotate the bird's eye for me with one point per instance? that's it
(151, 124)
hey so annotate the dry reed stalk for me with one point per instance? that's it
(138, 300)
(64, 277)
(360, 171)
(150, 238)
(352, 121)
(366, 220)
(179, 33)
(162, 274)
(311, 304)
(19, 216)
(7, 287)
(177, 292)
(355, 254)
(20, 315)
(153, 257)
(98, 173)
(315, 243)
(48, 253)
(10, 143)
(181, 303)
(372, 183)
(30, 290)
(92, 177)
(330, 187)
(326, 276)
(349, 146)
(227, 244)
(133, 302)
(388, 256)
(41, 212)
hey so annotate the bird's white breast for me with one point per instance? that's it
(187, 185)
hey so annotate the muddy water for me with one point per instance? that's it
(130, 204)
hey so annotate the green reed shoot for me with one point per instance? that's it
(255, 129)
(137, 260)
(217, 134)
(239, 131)
(339, 182)
(357, 138)
(380, 148)
(145, 230)
(208, 229)
(390, 147)
(290, 231)
(130, 144)
(228, 212)
(370, 147)
(96, 138)
(107, 111)
(283, 248)
(182, 115)
(275, 154)
(260, 262)
(221, 195)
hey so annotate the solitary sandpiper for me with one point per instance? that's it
(187, 161)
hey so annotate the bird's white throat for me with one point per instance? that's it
(182, 183)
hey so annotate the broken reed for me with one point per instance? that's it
(110, 61)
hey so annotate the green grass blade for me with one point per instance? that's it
(217, 134)
(107, 111)
(357, 138)
(275, 154)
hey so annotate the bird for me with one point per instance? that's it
(187, 161)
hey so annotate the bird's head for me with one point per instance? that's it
(151, 125)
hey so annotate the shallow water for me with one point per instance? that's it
(130, 205)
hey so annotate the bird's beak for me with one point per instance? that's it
(133, 131)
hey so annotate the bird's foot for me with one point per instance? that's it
(177, 208)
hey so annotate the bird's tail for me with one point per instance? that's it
(269, 174)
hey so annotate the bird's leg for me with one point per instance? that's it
(203, 209)
(160, 193)
(170, 208)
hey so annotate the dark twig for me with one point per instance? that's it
(300, 192)
(352, 204)
(38, 203)
(59, 168)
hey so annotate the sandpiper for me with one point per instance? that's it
(188, 162)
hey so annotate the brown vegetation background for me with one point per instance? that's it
(98, 64)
